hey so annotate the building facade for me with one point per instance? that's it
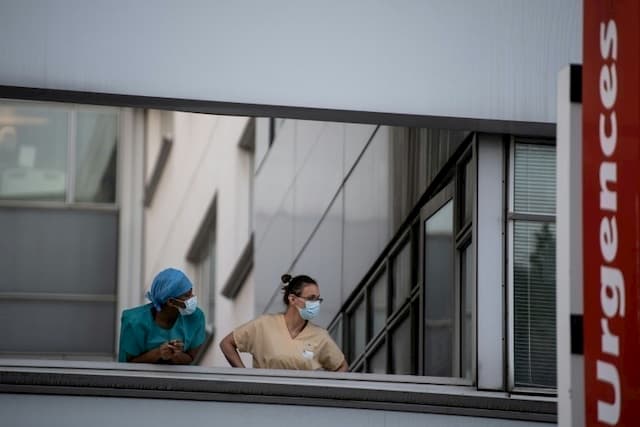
(429, 224)
(434, 248)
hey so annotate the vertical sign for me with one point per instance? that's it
(611, 211)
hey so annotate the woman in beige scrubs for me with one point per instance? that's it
(287, 340)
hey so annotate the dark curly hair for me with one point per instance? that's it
(294, 285)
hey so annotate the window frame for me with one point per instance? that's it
(511, 218)
(463, 240)
(438, 201)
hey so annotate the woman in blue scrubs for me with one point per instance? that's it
(168, 330)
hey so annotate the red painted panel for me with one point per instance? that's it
(611, 209)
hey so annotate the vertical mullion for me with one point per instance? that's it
(457, 291)
(510, 266)
(71, 156)
(419, 273)
(389, 310)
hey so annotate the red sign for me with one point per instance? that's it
(611, 211)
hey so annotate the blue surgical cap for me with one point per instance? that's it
(169, 283)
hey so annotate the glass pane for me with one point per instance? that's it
(379, 303)
(534, 304)
(466, 278)
(535, 178)
(378, 361)
(358, 331)
(33, 152)
(401, 268)
(336, 332)
(79, 327)
(401, 348)
(439, 292)
(468, 194)
(97, 137)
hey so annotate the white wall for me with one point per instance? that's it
(205, 161)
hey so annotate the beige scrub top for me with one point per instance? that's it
(268, 339)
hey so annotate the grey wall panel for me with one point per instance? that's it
(20, 410)
(58, 251)
(491, 59)
(322, 260)
(318, 182)
(57, 327)
(367, 211)
(274, 178)
(274, 255)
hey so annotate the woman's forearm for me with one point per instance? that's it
(344, 367)
(230, 351)
(181, 358)
(151, 356)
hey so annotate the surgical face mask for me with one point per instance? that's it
(190, 306)
(310, 310)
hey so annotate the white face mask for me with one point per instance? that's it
(310, 310)
(190, 306)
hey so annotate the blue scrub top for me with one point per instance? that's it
(139, 332)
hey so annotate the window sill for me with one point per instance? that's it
(321, 389)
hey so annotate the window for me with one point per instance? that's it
(415, 312)
(59, 258)
(51, 152)
(378, 302)
(382, 337)
(439, 293)
(357, 329)
(532, 238)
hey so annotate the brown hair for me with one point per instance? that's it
(294, 285)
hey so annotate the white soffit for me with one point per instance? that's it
(491, 59)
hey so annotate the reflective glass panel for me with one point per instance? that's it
(439, 292)
(358, 330)
(379, 303)
(535, 178)
(336, 332)
(378, 361)
(401, 268)
(534, 280)
(401, 347)
(96, 154)
(33, 151)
